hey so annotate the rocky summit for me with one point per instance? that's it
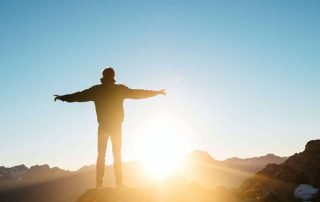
(280, 181)
(167, 193)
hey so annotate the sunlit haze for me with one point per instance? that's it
(164, 144)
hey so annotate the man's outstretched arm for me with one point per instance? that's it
(141, 94)
(82, 96)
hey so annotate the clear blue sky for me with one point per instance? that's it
(242, 76)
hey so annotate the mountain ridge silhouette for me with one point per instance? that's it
(22, 172)
(43, 183)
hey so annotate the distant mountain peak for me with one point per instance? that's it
(270, 155)
(200, 155)
(36, 172)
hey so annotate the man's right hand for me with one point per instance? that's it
(162, 92)
(57, 97)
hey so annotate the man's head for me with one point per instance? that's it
(108, 75)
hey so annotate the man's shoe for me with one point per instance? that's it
(99, 185)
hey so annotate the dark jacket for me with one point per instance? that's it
(108, 100)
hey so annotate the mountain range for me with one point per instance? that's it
(42, 183)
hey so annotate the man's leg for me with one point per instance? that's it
(102, 146)
(116, 139)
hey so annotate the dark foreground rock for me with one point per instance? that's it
(281, 180)
(112, 194)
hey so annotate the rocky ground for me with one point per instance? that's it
(158, 194)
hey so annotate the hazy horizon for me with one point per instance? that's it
(136, 160)
(242, 77)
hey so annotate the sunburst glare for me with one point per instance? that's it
(164, 144)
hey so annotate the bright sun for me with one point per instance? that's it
(164, 145)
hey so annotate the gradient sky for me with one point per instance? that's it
(242, 76)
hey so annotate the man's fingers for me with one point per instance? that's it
(163, 91)
(57, 97)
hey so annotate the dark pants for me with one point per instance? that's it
(112, 130)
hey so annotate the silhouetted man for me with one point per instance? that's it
(108, 98)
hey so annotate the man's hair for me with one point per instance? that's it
(108, 72)
(108, 75)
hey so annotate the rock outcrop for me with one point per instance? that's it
(281, 180)
(164, 193)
